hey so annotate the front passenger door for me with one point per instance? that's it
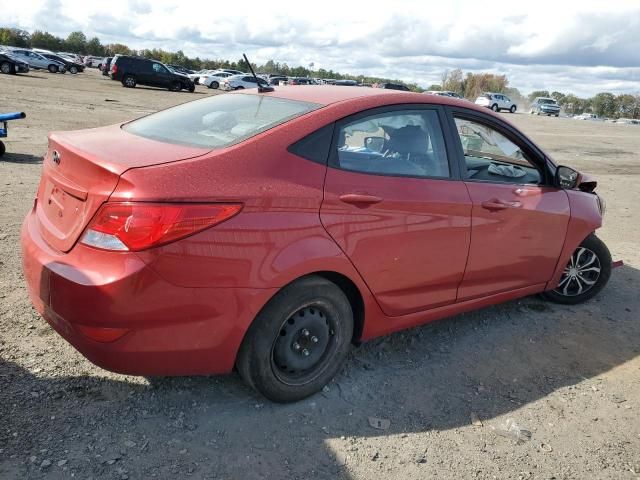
(519, 221)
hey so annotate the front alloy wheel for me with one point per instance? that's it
(586, 273)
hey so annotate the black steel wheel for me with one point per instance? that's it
(298, 342)
(586, 273)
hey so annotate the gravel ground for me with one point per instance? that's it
(522, 390)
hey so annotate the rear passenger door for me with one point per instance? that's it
(396, 206)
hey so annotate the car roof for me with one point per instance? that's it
(328, 94)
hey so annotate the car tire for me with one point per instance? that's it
(513, 109)
(129, 81)
(591, 262)
(2, 149)
(214, 84)
(175, 87)
(309, 326)
(192, 88)
(52, 68)
(557, 115)
(73, 69)
(7, 68)
(239, 88)
(495, 108)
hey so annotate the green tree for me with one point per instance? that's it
(558, 97)
(604, 104)
(454, 82)
(14, 37)
(76, 42)
(94, 47)
(434, 87)
(45, 40)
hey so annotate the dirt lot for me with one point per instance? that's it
(570, 376)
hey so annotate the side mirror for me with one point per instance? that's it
(566, 177)
(374, 143)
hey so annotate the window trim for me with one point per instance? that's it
(537, 157)
(449, 144)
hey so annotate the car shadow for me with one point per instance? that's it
(490, 362)
(11, 157)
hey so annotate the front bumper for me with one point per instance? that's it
(169, 330)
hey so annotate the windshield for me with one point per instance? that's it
(547, 101)
(218, 121)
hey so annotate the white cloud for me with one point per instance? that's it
(582, 46)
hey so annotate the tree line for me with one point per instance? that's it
(468, 85)
(603, 104)
(77, 42)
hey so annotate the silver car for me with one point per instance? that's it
(37, 61)
(496, 102)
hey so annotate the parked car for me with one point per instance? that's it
(588, 116)
(94, 62)
(10, 64)
(180, 69)
(301, 81)
(195, 77)
(38, 62)
(71, 66)
(496, 102)
(239, 231)
(445, 93)
(627, 121)
(106, 68)
(132, 71)
(545, 106)
(239, 82)
(71, 56)
(394, 86)
(345, 83)
(214, 80)
(275, 81)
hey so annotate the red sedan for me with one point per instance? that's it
(269, 231)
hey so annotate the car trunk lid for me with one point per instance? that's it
(81, 169)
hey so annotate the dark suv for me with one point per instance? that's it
(394, 86)
(132, 71)
(545, 106)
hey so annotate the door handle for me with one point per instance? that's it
(495, 204)
(360, 198)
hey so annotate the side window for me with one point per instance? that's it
(492, 157)
(315, 146)
(157, 68)
(408, 142)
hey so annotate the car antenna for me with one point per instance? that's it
(261, 89)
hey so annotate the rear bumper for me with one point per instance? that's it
(169, 330)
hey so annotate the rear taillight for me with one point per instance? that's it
(134, 226)
(114, 68)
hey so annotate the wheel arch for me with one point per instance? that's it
(584, 221)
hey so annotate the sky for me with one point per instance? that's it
(583, 47)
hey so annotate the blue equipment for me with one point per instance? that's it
(4, 118)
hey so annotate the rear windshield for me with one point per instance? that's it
(218, 121)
